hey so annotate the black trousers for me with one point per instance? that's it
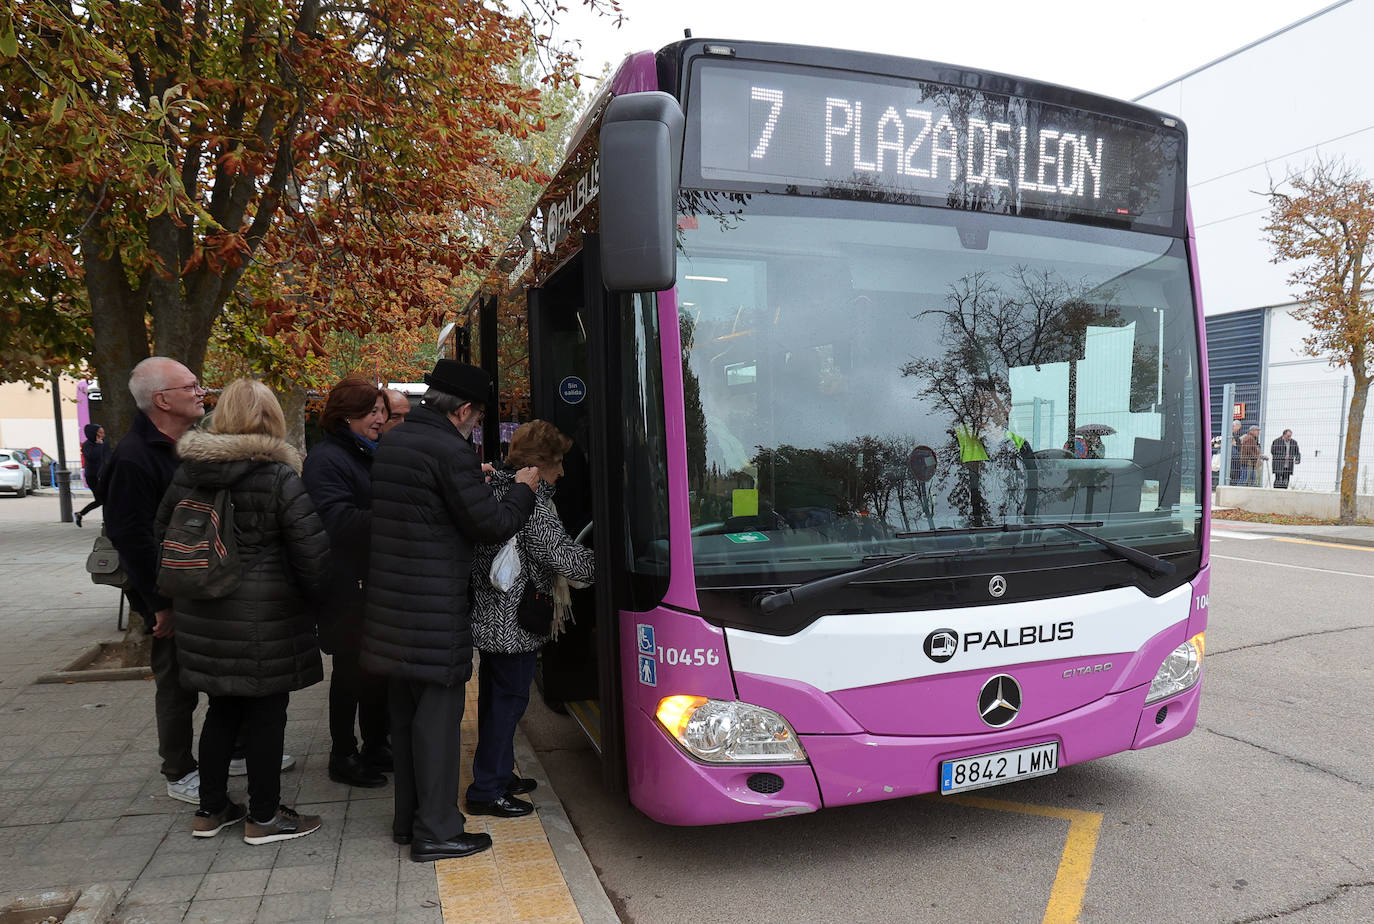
(425, 741)
(503, 692)
(259, 722)
(354, 691)
(1281, 477)
(174, 705)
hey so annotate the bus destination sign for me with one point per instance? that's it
(793, 130)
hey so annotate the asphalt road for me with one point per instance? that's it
(1265, 812)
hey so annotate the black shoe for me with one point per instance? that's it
(519, 785)
(379, 759)
(465, 845)
(77, 517)
(504, 807)
(354, 772)
(402, 839)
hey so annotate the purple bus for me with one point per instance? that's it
(883, 377)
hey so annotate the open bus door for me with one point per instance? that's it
(570, 328)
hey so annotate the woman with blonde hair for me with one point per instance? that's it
(248, 650)
(508, 639)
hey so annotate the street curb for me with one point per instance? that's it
(89, 905)
(1339, 540)
(593, 905)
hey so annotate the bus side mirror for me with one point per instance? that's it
(641, 157)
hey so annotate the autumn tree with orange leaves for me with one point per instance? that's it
(314, 160)
(1322, 219)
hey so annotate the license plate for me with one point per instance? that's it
(998, 767)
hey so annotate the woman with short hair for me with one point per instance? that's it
(338, 475)
(550, 560)
(250, 649)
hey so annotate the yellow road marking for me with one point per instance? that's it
(1329, 545)
(1076, 863)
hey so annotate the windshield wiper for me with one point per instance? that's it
(772, 602)
(1150, 563)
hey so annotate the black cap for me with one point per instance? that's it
(461, 380)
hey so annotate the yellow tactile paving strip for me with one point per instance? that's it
(518, 880)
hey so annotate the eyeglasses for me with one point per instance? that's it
(193, 388)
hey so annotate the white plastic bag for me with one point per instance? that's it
(505, 567)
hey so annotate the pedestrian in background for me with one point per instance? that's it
(1251, 459)
(93, 454)
(338, 475)
(1286, 455)
(397, 406)
(549, 560)
(169, 401)
(430, 505)
(1235, 473)
(249, 650)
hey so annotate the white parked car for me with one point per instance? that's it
(16, 476)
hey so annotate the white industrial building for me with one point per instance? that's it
(1253, 116)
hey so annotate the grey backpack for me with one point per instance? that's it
(199, 557)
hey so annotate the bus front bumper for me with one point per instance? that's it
(673, 788)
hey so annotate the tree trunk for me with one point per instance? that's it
(136, 645)
(1350, 456)
(293, 406)
(121, 334)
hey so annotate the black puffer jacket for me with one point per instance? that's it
(338, 475)
(261, 639)
(430, 504)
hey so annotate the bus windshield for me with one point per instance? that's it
(858, 371)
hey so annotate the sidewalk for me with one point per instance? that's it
(1346, 535)
(82, 803)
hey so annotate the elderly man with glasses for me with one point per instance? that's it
(169, 401)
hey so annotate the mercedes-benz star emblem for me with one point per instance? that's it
(941, 645)
(1000, 701)
(997, 586)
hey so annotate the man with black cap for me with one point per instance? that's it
(430, 506)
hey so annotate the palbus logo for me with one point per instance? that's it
(941, 645)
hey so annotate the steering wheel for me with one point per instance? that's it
(584, 534)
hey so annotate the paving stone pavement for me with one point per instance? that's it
(82, 803)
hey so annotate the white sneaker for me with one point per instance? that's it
(187, 789)
(239, 766)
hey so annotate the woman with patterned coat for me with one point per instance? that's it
(550, 559)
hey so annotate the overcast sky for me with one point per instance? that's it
(1113, 47)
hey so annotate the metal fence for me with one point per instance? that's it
(1315, 412)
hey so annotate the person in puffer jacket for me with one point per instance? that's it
(430, 507)
(550, 558)
(249, 650)
(338, 475)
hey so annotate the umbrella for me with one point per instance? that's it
(1095, 429)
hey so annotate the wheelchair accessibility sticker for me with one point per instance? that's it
(645, 636)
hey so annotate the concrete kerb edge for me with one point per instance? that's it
(1340, 540)
(95, 906)
(593, 905)
(92, 904)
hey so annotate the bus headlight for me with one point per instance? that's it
(1179, 671)
(722, 732)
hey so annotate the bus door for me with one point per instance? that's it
(567, 326)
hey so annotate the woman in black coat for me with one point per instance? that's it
(248, 650)
(94, 452)
(338, 475)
